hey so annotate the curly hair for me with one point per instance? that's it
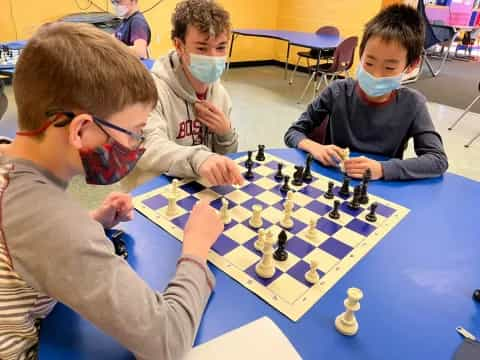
(206, 15)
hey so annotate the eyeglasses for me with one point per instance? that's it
(135, 140)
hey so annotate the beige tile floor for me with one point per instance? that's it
(264, 107)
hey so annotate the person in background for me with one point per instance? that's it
(134, 30)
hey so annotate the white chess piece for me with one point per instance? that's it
(312, 230)
(172, 205)
(346, 323)
(290, 195)
(256, 219)
(312, 275)
(266, 266)
(260, 241)
(346, 156)
(225, 212)
(174, 187)
(287, 221)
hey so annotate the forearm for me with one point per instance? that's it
(425, 166)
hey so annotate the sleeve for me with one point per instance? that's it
(139, 30)
(431, 160)
(227, 143)
(69, 258)
(163, 155)
(314, 116)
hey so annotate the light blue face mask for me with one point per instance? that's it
(207, 69)
(376, 87)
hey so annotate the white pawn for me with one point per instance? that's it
(290, 195)
(174, 187)
(225, 212)
(287, 221)
(266, 266)
(172, 205)
(312, 230)
(256, 219)
(312, 275)
(346, 323)
(260, 241)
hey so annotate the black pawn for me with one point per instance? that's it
(355, 203)
(372, 216)
(476, 295)
(285, 187)
(335, 214)
(249, 174)
(279, 175)
(280, 254)
(345, 189)
(329, 194)
(307, 174)
(364, 193)
(298, 176)
(249, 160)
(260, 153)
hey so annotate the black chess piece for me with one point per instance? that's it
(372, 216)
(260, 153)
(307, 174)
(298, 176)
(249, 174)
(249, 159)
(285, 187)
(279, 175)
(345, 189)
(280, 254)
(476, 295)
(329, 194)
(364, 193)
(355, 203)
(367, 175)
(335, 214)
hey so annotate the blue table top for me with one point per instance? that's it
(418, 284)
(305, 39)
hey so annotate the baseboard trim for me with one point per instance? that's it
(253, 63)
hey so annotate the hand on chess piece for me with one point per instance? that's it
(327, 155)
(198, 238)
(117, 207)
(213, 118)
(355, 167)
(220, 170)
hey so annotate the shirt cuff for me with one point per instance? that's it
(389, 170)
(226, 138)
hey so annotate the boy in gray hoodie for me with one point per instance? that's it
(189, 130)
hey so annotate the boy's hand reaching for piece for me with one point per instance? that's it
(355, 167)
(117, 207)
(220, 170)
(327, 155)
(203, 228)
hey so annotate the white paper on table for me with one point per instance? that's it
(261, 339)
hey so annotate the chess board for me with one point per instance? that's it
(340, 244)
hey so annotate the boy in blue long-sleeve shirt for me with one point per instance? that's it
(374, 114)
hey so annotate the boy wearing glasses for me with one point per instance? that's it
(53, 250)
(189, 131)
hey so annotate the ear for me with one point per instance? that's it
(415, 64)
(76, 129)
(178, 45)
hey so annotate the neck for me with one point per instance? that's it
(42, 155)
(132, 11)
(198, 86)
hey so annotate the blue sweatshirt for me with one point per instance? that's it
(382, 129)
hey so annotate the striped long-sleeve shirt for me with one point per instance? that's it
(50, 249)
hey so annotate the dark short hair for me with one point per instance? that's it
(206, 15)
(400, 23)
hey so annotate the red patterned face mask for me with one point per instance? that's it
(109, 163)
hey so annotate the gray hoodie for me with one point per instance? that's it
(176, 143)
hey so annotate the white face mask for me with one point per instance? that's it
(121, 10)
